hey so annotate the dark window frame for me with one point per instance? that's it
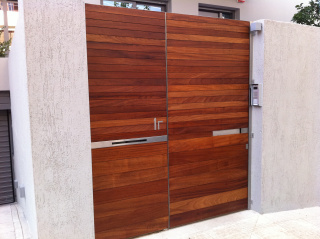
(220, 9)
(163, 4)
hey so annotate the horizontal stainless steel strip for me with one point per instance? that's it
(230, 131)
(124, 142)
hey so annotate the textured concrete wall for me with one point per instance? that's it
(58, 104)
(23, 165)
(4, 74)
(250, 10)
(290, 158)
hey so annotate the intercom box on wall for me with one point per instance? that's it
(256, 94)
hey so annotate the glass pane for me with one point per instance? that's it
(209, 14)
(123, 4)
(149, 7)
(117, 4)
(226, 15)
(108, 3)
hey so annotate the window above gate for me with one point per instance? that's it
(156, 6)
(207, 10)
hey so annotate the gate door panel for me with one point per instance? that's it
(128, 106)
(208, 81)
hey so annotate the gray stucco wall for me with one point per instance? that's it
(51, 118)
(287, 57)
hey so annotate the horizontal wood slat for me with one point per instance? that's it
(124, 33)
(194, 50)
(130, 151)
(127, 165)
(208, 201)
(157, 210)
(200, 155)
(134, 229)
(125, 61)
(130, 191)
(207, 189)
(206, 178)
(207, 105)
(123, 11)
(207, 20)
(123, 54)
(206, 57)
(207, 142)
(219, 74)
(120, 207)
(184, 37)
(132, 115)
(120, 18)
(208, 44)
(124, 25)
(124, 47)
(124, 40)
(203, 31)
(209, 212)
(181, 170)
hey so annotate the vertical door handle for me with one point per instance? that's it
(155, 124)
(159, 124)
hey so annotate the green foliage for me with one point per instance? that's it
(122, 4)
(4, 46)
(308, 15)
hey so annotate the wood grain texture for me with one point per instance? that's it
(130, 186)
(134, 229)
(207, 189)
(127, 90)
(208, 21)
(208, 82)
(123, 12)
(209, 212)
(119, 18)
(208, 72)
(208, 201)
(206, 57)
(126, 69)
(131, 191)
(127, 165)
(121, 207)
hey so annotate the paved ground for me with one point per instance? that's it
(302, 224)
(12, 223)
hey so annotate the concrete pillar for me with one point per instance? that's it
(285, 150)
(51, 120)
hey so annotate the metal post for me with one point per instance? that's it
(5, 15)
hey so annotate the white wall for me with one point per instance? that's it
(287, 56)
(4, 74)
(97, 2)
(23, 165)
(280, 10)
(50, 105)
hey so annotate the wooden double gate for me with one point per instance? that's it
(169, 109)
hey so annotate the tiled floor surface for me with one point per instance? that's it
(297, 224)
(12, 223)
